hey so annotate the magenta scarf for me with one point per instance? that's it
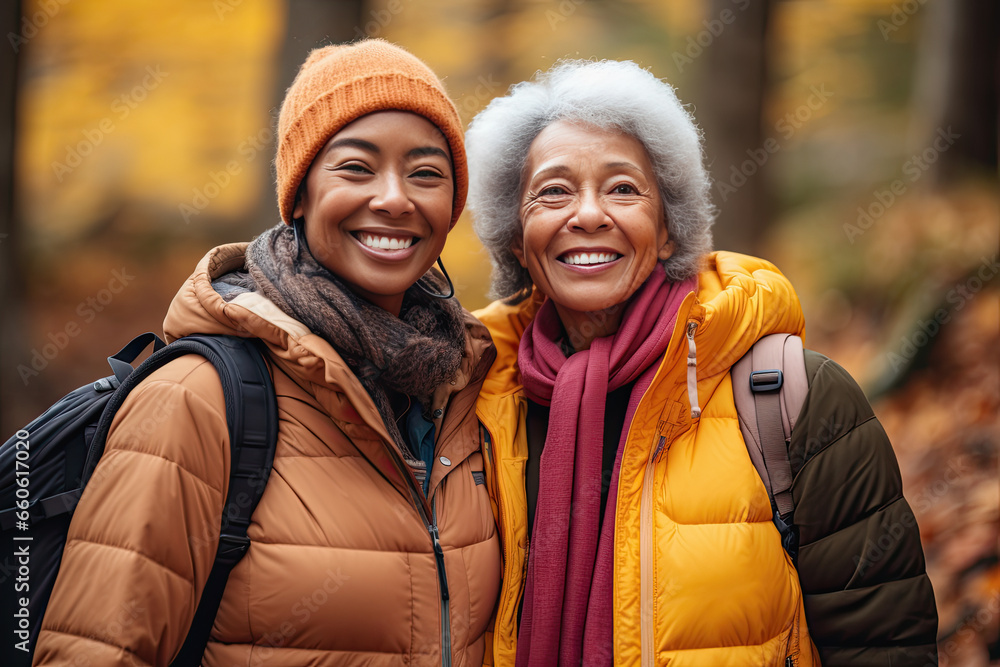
(567, 609)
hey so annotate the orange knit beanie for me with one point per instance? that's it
(340, 83)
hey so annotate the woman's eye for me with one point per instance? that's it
(624, 189)
(552, 191)
(427, 173)
(355, 168)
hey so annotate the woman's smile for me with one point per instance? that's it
(380, 242)
(590, 261)
(390, 246)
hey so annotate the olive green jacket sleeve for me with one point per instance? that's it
(867, 596)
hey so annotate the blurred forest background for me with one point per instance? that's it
(853, 143)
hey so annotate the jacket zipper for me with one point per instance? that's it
(646, 592)
(692, 371)
(503, 603)
(792, 650)
(646, 559)
(432, 529)
(496, 479)
(443, 580)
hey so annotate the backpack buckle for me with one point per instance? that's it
(769, 380)
(233, 546)
(106, 384)
(789, 535)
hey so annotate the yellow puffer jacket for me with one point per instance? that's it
(700, 574)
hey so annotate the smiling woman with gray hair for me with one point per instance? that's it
(614, 442)
(602, 94)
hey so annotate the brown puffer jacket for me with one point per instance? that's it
(341, 567)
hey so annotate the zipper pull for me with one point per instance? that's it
(692, 372)
(659, 446)
(439, 555)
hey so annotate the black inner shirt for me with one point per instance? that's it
(538, 422)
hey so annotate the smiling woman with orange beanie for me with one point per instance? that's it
(374, 541)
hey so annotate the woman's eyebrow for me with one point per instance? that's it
(625, 165)
(427, 150)
(561, 169)
(354, 143)
(551, 170)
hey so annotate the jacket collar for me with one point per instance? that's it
(739, 299)
(316, 366)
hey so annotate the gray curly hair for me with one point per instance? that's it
(608, 94)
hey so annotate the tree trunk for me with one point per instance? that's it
(734, 84)
(11, 281)
(314, 23)
(956, 89)
(310, 24)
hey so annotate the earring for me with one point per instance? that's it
(451, 286)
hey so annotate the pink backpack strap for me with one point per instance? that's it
(769, 387)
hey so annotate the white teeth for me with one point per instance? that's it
(590, 258)
(385, 243)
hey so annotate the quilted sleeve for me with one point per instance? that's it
(867, 597)
(143, 539)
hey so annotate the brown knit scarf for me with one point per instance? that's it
(411, 354)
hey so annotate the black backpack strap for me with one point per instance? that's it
(121, 363)
(252, 415)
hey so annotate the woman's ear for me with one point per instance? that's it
(666, 251)
(300, 193)
(517, 249)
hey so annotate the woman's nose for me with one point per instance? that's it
(590, 216)
(391, 197)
